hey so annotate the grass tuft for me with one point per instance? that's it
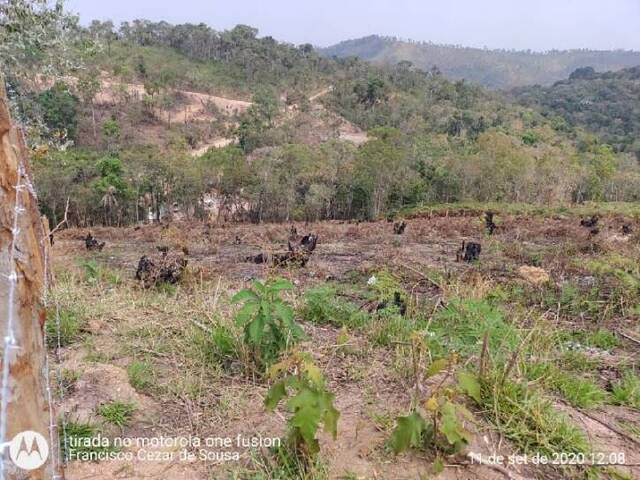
(141, 375)
(627, 390)
(117, 413)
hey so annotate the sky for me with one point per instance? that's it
(513, 24)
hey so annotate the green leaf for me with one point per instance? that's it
(408, 432)
(265, 310)
(331, 416)
(470, 385)
(437, 366)
(244, 295)
(285, 312)
(314, 373)
(246, 313)
(276, 393)
(280, 284)
(306, 418)
(438, 466)
(255, 329)
(260, 288)
(451, 426)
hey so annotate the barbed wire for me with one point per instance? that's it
(10, 336)
(56, 457)
(10, 344)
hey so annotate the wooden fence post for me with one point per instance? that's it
(24, 388)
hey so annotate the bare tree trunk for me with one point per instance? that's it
(24, 389)
(93, 119)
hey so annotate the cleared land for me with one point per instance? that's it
(566, 293)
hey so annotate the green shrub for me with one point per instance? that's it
(309, 403)
(581, 393)
(117, 413)
(388, 327)
(141, 375)
(444, 428)
(627, 390)
(74, 436)
(322, 306)
(267, 321)
(461, 326)
(529, 419)
(66, 328)
(603, 339)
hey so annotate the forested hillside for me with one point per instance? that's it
(491, 68)
(607, 104)
(150, 115)
(263, 263)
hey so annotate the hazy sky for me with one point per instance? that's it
(539, 25)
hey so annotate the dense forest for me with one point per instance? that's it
(607, 104)
(153, 117)
(491, 68)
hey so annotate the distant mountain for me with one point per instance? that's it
(492, 68)
(607, 104)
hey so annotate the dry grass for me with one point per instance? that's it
(192, 350)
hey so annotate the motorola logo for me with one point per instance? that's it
(29, 450)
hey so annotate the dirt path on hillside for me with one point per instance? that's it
(194, 106)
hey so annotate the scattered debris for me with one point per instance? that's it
(488, 221)
(166, 268)
(469, 252)
(237, 240)
(92, 244)
(589, 350)
(162, 249)
(533, 275)
(399, 227)
(260, 258)
(590, 222)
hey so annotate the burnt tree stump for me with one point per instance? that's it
(469, 252)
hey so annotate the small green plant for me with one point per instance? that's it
(91, 271)
(309, 403)
(603, 339)
(580, 392)
(387, 288)
(67, 382)
(75, 440)
(282, 464)
(63, 330)
(322, 306)
(529, 419)
(461, 325)
(578, 361)
(268, 323)
(141, 376)
(627, 390)
(438, 421)
(117, 413)
(388, 327)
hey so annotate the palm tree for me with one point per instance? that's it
(109, 202)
